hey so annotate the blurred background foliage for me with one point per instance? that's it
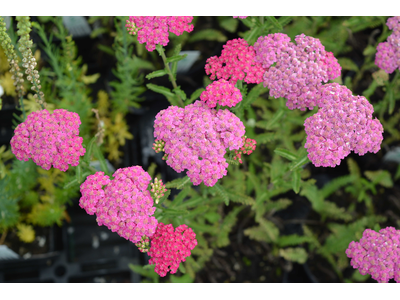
(284, 209)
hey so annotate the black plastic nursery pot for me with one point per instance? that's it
(79, 251)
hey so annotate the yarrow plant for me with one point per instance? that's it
(154, 30)
(124, 205)
(169, 248)
(235, 63)
(388, 53)
(196, 138)
(343, 124)
(295, 71)
(49, 139)
(377, 254)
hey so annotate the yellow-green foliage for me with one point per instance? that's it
(25, 233)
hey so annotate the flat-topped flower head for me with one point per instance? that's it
(388, 53)
(377, 254)
(295, 71)
(49, 139)
(221, 92)
(169, 248)
(196, 138)
(123, 205)
(235, 63)
(343, 124)
(155, 30)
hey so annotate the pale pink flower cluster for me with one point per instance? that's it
(235, 63)
(155, 30)
(295, 71)
(343, 123)
(49, 139)
(124, 205)
(196, 138)
(221, 92)
(169, 248)
(377, 254)
(388, 53)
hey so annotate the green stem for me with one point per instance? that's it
(87, 166)
(21, 101)
(37, 91)
(171, 76)
(261, 20)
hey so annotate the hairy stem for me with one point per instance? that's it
(171, 76)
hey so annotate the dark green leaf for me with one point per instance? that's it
(296, 181)
(286, 154)
(175, 58)
(274, 22)
(157, 73)
(160, 89)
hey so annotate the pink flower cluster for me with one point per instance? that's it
(169, 248)
(221, 92)
(196, 138)
(235, 63)
(343, 123)
(388, 53)
(249, 145)
(49, 139)
(377, 254)
(295, 71)
(154, 30)
(124, 205)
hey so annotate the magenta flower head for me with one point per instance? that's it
(377, 254)
(169, 248)
(388, 53)
(155, 30)
(221, 92)
(124, 205)
(49, 139)
(196, 138)
(295, 71)
(235, 63)
(92, 191)
(343, 123)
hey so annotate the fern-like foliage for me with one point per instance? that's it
(9, 212)
(129, 84)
